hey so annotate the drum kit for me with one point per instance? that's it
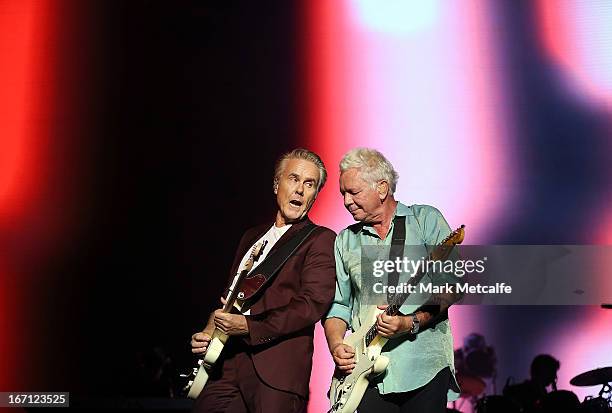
(476, 361)
(472, 387)
(603, 402)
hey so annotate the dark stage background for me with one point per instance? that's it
(163, 157)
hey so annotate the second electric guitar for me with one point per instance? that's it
(346, 392)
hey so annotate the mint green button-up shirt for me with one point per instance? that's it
(413, 361)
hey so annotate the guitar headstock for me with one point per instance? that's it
(455, 237)
(255, 253)
(442, 251)
(258, 249)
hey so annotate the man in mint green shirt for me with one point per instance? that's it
(420, 375)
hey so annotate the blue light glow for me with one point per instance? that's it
(396, 16)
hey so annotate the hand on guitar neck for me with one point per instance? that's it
(230, 324)
(392, 326)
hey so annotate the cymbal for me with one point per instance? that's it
(471, 386)
(593, 377)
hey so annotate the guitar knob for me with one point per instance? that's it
(200, 361)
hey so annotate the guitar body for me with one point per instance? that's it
(213, 352)
(196, 385)
(346, 391)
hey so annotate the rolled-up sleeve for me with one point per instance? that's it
(342, 306)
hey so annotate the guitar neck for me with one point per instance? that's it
(233, 297)
(443, 250)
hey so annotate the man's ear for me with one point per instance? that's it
(383, 189)
(275, 186)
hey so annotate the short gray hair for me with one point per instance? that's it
(301, 153)
(372, 165)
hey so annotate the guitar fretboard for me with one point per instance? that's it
(393, 308)
(442, 250)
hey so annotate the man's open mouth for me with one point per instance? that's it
(296, 203)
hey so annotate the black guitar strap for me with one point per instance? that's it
(275, 261)
(398, 241)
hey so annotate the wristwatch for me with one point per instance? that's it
(415, 324)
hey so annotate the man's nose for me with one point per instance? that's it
(348, 199)
(300, 188)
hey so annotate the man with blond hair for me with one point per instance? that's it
(420, 375)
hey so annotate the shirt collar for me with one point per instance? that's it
(400, 210)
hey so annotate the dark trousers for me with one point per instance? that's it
(238, 389)
(430, 398)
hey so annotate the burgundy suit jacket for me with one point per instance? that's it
(282, 320)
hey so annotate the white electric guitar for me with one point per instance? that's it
(347, 391)
(199, 375)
